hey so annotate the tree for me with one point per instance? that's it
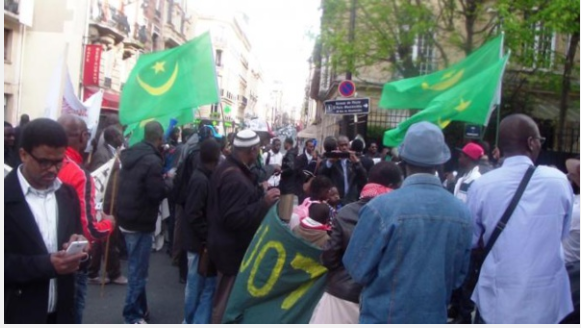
(386, 32)
(530, 27)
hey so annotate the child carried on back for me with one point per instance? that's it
(315, 227)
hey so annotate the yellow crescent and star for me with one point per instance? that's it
(165, 87)
(449, 79)
(462, 106)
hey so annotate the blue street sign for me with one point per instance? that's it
(347, 106)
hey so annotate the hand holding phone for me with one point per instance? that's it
(76, 247)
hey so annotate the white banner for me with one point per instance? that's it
(7, 170)
(101, 177)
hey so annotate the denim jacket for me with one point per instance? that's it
(410, 249)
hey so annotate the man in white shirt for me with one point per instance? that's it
(274, 158)
(41, 217)
(571, 243)
(523, 279)
(469, 159)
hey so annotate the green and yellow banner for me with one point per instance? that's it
(280, 279)
(418, 92)
(469, 101)
(170, 84)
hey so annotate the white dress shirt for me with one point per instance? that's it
(571, 243)
(523, 279)
(275, 159)
(464, 183)
(43, 205)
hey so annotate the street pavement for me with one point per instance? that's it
(165, 295)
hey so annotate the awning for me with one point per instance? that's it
(110, 99)
(548, 109)
(312, 131)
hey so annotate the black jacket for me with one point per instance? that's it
(11, 158)
(236, 208)
(27, 266)
(195, 229)
(356, 175)
(339, 283)
(141, 188)
(287, 176)
(302, 163)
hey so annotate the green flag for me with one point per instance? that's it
(419, 91)
(136, 129)
(168, 81)
(280, 278)
(469, 101)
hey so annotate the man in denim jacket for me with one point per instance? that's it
(411, 247)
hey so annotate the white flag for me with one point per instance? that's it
(93, 105)
(7, 170)
(101, 177)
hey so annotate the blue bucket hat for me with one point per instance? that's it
(424, 146)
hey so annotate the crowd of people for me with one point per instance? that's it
(402, 240)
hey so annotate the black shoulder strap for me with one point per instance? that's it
(509, 210)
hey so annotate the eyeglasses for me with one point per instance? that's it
(541, 139)
(46, 164)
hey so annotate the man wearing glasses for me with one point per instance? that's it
(41, 218)
(523, 278)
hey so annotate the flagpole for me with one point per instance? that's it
(59, 107)
(111, 207)
(497, 125)
(223, 119)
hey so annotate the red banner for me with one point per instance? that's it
(92, 64)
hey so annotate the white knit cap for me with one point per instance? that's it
(246, 139)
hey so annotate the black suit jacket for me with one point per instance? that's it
(27, 266)
(356, 176)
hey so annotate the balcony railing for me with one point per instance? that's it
(11, 6)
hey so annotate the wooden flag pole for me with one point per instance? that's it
(111, 207)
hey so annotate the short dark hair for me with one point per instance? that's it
(24, 119)
(153, 131)
(110, 133)
(7, 125)
(357, 145)
(311, 141)
(320, 212)
(320, 187)
(43, 132)
(385, 174)
(330, 144)
(210, 151)
(275, 141)
(289, 141)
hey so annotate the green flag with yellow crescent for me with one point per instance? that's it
(280, 278)
(170, 81)
(469, 101)
(137, 131)
(418, 92)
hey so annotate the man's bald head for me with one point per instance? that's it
(519, 135)
(76, 130)
(153, 133)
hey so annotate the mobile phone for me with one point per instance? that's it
(76, 247)
(337, 154)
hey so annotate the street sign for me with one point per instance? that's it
(347, 106)
(473, 131)
(346, 89)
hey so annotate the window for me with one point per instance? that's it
(107, 82)
(214, 108)
(541, 47)
(219, 58)
(6, 105)
(170, 12)
(423, 53)
(7, 44)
